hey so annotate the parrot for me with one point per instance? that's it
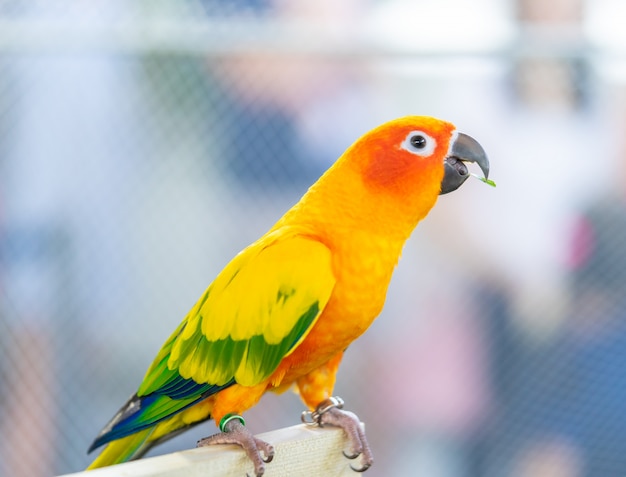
(284, 310)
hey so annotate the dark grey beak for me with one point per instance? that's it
(464, 149)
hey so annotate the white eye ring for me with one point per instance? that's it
(419, 143)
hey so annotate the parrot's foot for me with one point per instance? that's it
(234, 432)
(329, 413)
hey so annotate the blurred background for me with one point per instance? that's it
(143, 144)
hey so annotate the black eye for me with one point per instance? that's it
(418, 142)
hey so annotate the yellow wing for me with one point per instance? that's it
(258, 309)
(254, 314)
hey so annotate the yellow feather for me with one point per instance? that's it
(253, 293)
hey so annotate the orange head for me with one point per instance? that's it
(416, 152)
(394, 173)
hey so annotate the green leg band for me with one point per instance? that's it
(229, 417)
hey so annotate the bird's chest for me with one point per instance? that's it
(363, 272)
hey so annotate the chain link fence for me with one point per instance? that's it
(143, 144)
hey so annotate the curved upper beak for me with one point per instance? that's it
(464, 149)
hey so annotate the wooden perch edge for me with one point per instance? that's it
(300, 451)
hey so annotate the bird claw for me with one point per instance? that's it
(258, 451)
(363, 468)
(329, 412)
(351, 456)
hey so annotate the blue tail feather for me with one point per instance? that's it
(142, 412)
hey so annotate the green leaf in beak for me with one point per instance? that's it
(484, 179)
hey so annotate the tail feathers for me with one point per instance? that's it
(124, 449)
(144, 412)
(148, 420)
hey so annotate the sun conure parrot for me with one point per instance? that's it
(285, 309)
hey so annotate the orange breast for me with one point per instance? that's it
(363, 273)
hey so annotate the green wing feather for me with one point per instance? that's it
(254, 314)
